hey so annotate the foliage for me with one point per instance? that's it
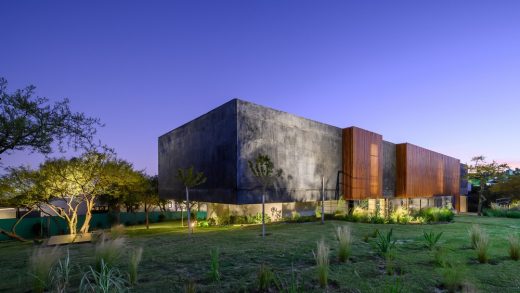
(32, 123)
(321, 256)
(475, 232)
(509, 187)
(344, 237)
(108, 251)
(293, 285)
(453, 277)
(434, 214)
(482, 247)
(514, 247)
(215, 264)
(431, 239)
(60, 278)
(189, 178)
(384, 243)
(103, 280)
(265, 278)
(400, 216)
(484, 172)
(135, 257)
(440, 256)
(41, 264)
(394, 287)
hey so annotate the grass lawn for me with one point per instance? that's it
(170, 258)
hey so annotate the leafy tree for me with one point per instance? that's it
(510, 187)
(32, 123)
(19, 189)
(81, 180)
(263, 170)
(190, 179)
(484, 172)
(150, 196)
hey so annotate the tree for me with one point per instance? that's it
(29, 122)
(19, 189)
(510, 187)
(484, 172)
(81, 180)
(263, 170)
(190, 179)
(150, 196)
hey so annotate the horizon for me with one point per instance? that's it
(440, 75)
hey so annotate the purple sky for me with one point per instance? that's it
(444, 75)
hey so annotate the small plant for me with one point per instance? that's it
(474, 234)
(265, 278)
(321, 256)
(215, 271)
(108, 251)
(105, 279)
(344, 236)
(514, 247)
(482, 248)
(384, 243)
(441, 257)
(453, 277)
(41, 265)
(61, 275)
(135, 258)
(400, 216)
(431, 239)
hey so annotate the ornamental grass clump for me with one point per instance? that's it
(482, 248)
(344, 236)
(265, 278)
(103, 279)
(431, 239)
(474, 234)
(321, 256)
(514, 247)
(108, 251)
(385, 244)
(135, 258)
(453, 277)
(41, 264)
(61, 275)
(215, 266)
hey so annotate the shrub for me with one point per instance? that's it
(203, 223)
(360, 215)
(453, 277)
(41, 264)
(215, 271)
(265, 278)
(108, 251)
(474, 234)
(61, 275)
(135, 258)
(482, 248)
(431, 239)
(433, 215)
(104, 279)
(400, 216)
(384, 243)
(321, 256)
(514, 247)
(295, 215)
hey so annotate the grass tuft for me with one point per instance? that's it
(514, 247)
(41, 264)
(344, 236)
(136, 256)
(61, 275)
(431, 239)
(385, 244)
(321, 256)
(108, 251)
(482, 247)
(474, 234)
(453, 277)
(104, 279)
(265, 278)
(215, 266)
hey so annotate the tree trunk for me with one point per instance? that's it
(12, 235)
(189, 210)
(146, 216)
(88, 216)
(481, 198)
(263, 214)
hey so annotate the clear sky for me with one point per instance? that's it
(444, 75)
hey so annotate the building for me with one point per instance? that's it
(356, 164)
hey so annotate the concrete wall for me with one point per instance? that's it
(209, 143)
(389, 169)
(304, 149)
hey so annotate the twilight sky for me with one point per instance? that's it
(444, 75)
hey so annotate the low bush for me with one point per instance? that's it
(434, 215)
(502, 212)
(400, 216)
(514, 247)
(431, 239)
(321, 256)
(203, 223)
(344, 237)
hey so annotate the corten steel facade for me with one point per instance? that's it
(221, 142)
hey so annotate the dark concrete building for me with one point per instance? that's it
(356, 164)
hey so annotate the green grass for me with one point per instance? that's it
(171, 259)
